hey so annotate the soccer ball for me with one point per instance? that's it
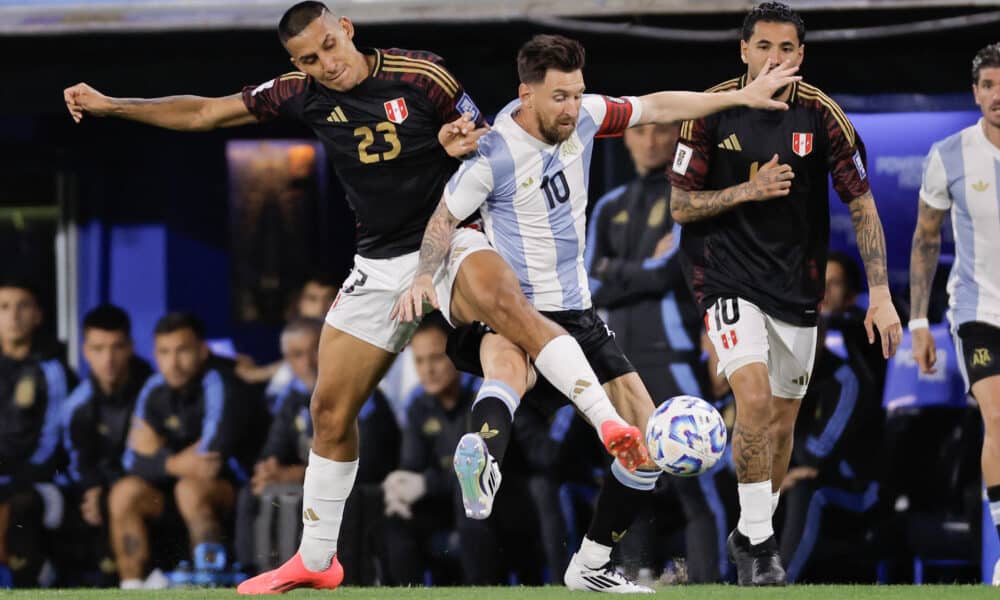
(685, 436)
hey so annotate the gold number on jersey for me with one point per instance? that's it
(754, 166)
(388, 131)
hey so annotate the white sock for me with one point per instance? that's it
(774, 502)
(593, 555)
(563, 363)
(755, 511)
(130, 584)
(328, 484)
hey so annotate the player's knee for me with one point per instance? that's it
(330, 425)
(756, 404)
(190, 493)
(125, 495)
(991, 421)
(510, 367)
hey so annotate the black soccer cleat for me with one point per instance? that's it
(738, 546)
(767, 568)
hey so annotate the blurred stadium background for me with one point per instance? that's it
(111, 211)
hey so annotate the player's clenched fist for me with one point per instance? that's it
(81, 98)
(772, 180)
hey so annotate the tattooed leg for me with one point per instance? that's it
(130, 503)
(752, 453)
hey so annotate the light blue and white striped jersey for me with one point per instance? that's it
(533, 198)
(962, 173)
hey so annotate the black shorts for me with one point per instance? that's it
(980, 345)
(595, 338)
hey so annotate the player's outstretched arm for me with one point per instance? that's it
(772, 180)
(184, 113)
(923, 263)
(871, 245)
(433, 250)
(668, 107)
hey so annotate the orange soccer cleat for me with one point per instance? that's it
(293, 575)
(624, 442)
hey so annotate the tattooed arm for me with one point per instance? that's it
(772, 180)
(433, 251)
(924, 257)
(870, 238)
(871, 245)
(923, 262)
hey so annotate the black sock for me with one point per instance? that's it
(491, 420)
(993, 495)
(618, 503)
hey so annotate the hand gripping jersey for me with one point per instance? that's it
(381, 138)
(772, 253)
(533, 198)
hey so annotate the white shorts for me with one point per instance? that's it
(742, 334)
(370, 292)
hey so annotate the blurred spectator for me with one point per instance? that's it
(311, 302)
(636, 276)
(95, 430)
(831, 487)
(34, 383)
(192, 433)
(426, 526)
(840, 310)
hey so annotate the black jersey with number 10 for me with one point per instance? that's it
(772, 253)
(381, 138)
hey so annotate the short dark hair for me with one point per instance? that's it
(984, 59)
(176, 321)
(434, 321)
(544, 52)
(321, 278)
(852, 273)
(22, 283)
(108, 317)
(298, 17)
(773, 12)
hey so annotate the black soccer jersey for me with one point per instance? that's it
(381, 138)
(772, 253)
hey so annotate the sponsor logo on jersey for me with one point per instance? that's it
(432, 426)
(802, 143)
(658, 213)
(24, 392)
(980, 186)
(682, 159)
(465, 104)
(337, 115)
(731, 143)
(395, 110)
(621, 218)
(859, 165)
(173, 423)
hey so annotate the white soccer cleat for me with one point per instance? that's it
(603, 579)
(996, 574)
(478, 476)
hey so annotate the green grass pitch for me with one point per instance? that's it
(709, 592)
